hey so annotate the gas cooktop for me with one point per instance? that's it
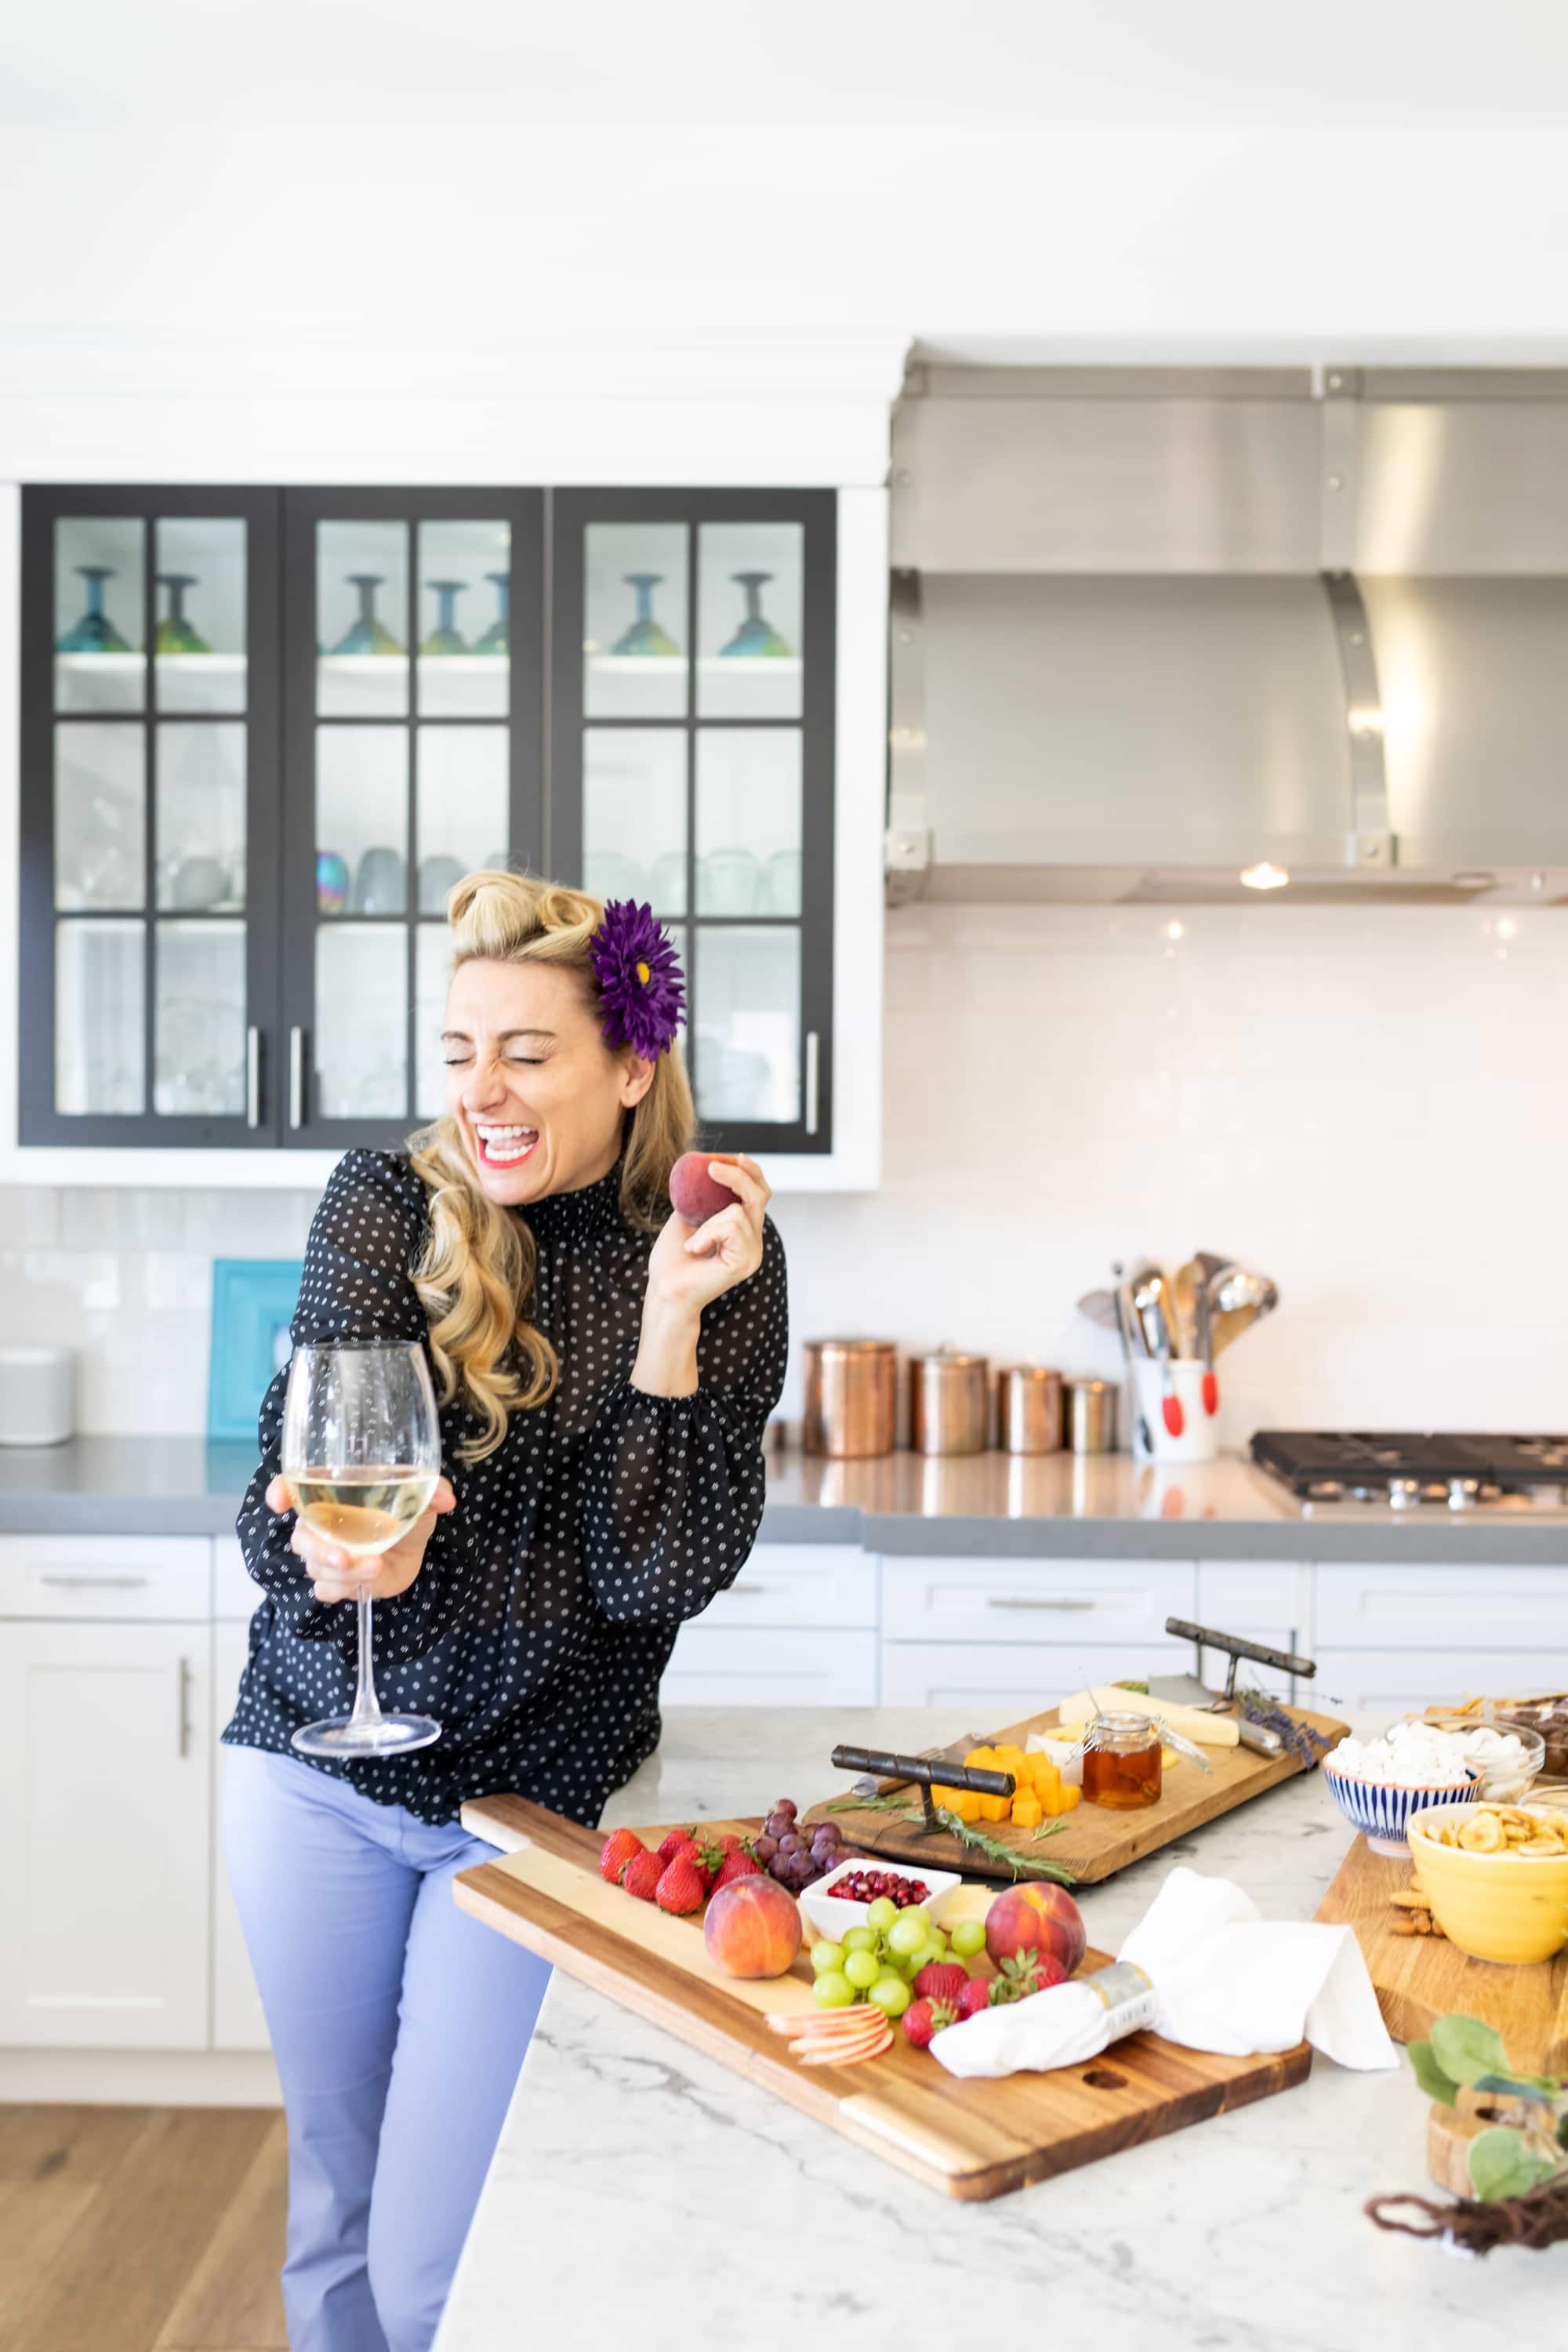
(1410, 1471)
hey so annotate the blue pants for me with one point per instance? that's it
(398, 2024)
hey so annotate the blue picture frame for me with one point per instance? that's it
(253, 1304)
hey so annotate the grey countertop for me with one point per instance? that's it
(991, 1505)
(644, 2195)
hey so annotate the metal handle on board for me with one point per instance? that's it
(1007, 1601)
(184, 1706)
(813, 1079)
(296, 1077)
(253, 1075)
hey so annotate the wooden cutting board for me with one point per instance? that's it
(1419, 1979)
(1093, 1843)
(969, 2140)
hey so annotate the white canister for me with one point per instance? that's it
(1199, 1439)
(36, 1396)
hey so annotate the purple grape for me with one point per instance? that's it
(786, 1805)
(779, 1825)
(779, 1868)
(764, 1847)
(790, 1844)
(825, 1833)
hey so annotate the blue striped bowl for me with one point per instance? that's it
(1383, 1812)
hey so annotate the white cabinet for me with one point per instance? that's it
(1004, 1682)
(237, 2020)
(713, 1666)
(161, 1578)
(1392, 1682)
(1071, 1603)
(105, 1823)
(1471, 1608)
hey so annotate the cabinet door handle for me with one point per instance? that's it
(184, 1706)
(745, 1587)
(296, 1077)
(1021, 1601)
(253, 1075)
(105, 1583)
(813, 1079)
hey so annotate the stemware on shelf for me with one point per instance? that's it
(369, 635)
(756, 634)
(95, 633)
(444, 638)
(175, 633)
(646, 634)
(362, 1453)
(494, 639)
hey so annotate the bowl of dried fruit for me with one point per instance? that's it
(1496, 1878)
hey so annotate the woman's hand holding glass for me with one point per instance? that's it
(380, 1577)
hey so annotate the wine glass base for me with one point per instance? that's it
(388, 1734)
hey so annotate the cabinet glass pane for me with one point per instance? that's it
(99, 1049)
(462, 795)
(634, 620)
(198, 1013)
(464, 669)
(199, 787)
(362, 619)
(748, 614)
(748, 1024)
(361, 1002)
(362, 820)
(634, 814)
(199, 640)
(99, 659)
(432, 970)
(100, 794)
(748, 821)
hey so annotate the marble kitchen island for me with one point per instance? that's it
(644, 2196)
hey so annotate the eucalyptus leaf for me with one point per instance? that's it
(1542, 2089)
(1430, 2076)
(1562, 2132)
(1466, 2048)
(1501, 2165)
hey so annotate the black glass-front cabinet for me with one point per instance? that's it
(264, 732)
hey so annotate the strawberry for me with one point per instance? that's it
(679, 1888)
(975, 1996)
(925, 2019)
(1025, 1973)
(677, 1841)
(619, 1848)
(941, 1980)
(643, 1874)
(736, 1865)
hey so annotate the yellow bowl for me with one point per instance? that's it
(1505, 1906)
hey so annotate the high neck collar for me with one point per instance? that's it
(577, 1216)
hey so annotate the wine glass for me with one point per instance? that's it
(756, 634)
(646, 635)
(362, 1453)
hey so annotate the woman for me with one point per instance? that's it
(605, 1371)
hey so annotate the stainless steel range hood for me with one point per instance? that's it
(1155, 629)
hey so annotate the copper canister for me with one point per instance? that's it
(1028, 1409)
(1091, 1415)
(851, 1398)
(950, 1401)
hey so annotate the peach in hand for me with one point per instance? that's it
(696, 1195)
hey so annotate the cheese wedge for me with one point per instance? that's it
(1208, 1730)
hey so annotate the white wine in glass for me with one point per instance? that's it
(361, 1454)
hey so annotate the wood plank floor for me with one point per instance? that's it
(141, 2229)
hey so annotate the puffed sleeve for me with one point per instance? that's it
(355, 1285)
(673, 1486)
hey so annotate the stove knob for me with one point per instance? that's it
(1404, 1493)
(1462, 1493)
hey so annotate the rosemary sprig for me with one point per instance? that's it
(888, 1805)
(964, 1833)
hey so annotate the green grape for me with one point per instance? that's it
(969, 1937)
(832, 1990)
(928, 1951)
(859, 1940)
(825, 1956)
(891, 1995)
(861, 1969)
(905, 1936)
(918, 1911)
(881, 1913)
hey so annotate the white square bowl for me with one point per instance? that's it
(831, 1914)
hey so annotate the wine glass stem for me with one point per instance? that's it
(367, 1707)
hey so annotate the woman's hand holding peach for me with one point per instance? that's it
(691, 1265)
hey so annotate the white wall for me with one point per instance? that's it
(1368, 1105)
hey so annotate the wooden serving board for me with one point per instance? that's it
(1093, 1843)
(1419, 1979)
(969, 2140)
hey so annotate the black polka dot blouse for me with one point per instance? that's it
(548, 1602)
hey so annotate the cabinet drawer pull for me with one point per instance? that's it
(253, 1075)
(96, 1583)
(184, 1706)
(746, 1587)
(1020, 1601)
(296, 1077)
(813, 1079)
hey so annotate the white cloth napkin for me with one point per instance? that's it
(1223, 1977)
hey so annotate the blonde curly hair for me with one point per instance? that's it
(474, 1276)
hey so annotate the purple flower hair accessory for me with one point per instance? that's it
(641, 987)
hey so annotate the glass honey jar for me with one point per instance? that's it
(1121, 1762)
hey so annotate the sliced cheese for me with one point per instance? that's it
(1208, 1730)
